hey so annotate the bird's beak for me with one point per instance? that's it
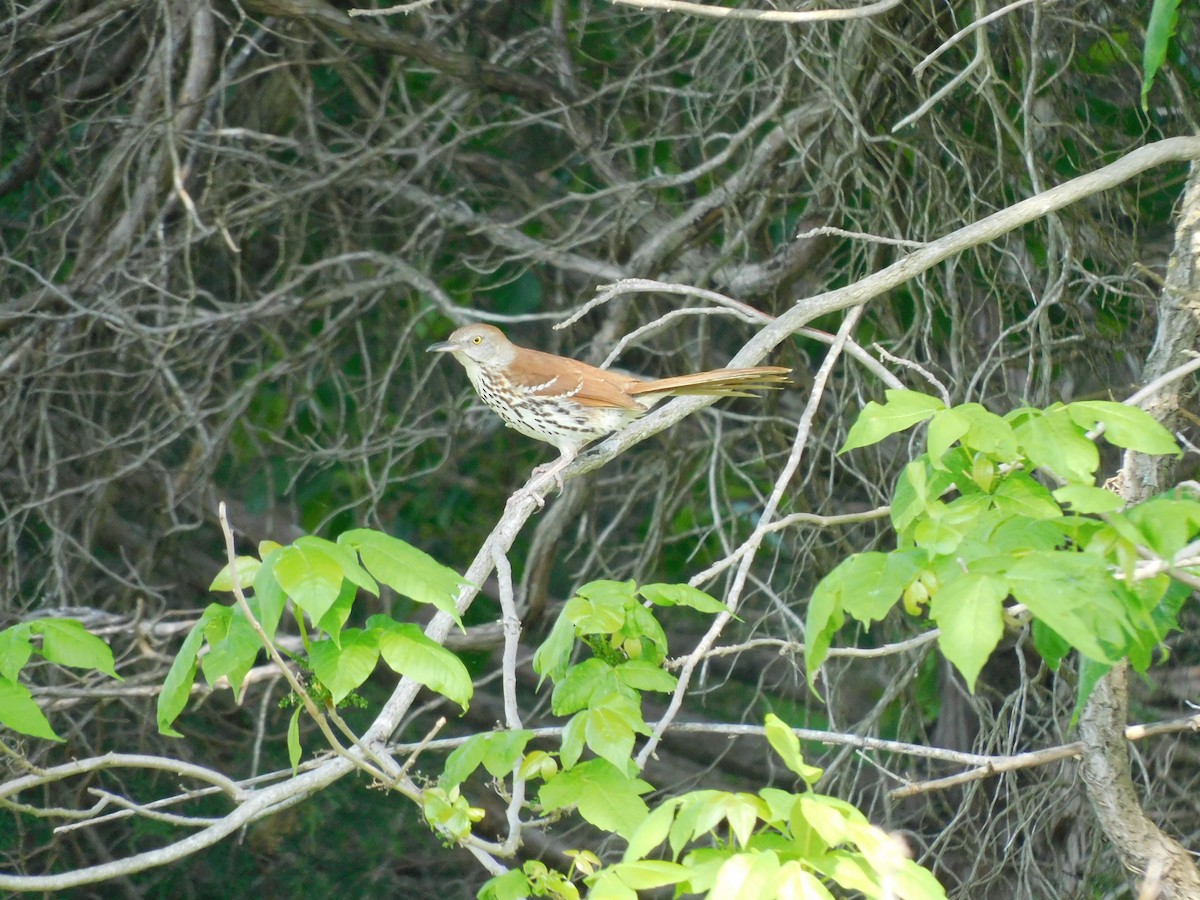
(442, 347)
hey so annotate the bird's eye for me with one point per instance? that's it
(477, 340)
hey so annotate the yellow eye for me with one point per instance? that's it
(477, 340)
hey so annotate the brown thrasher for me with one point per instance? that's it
(568, 403)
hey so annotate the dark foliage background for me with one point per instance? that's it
(229, 230)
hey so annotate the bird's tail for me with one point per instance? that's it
(717, 383)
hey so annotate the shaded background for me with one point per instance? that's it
(228, 232)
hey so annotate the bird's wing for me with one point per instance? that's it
(547, 375)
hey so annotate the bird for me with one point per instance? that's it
(568, 403)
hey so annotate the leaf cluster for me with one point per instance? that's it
(977, 526)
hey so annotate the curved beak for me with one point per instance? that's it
(442, 347)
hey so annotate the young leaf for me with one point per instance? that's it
(19, 712)
(68, 643)
(1125, 426)
(512, 885)
(871, 583)
(610, 726)
(642, 675)
(407, 570)
(605, 795)
(1086, 499)
(785, 743)
(232, 655)
(269, 593)
(988, 432)
(969, 612)
(1053, 442)
(293, 740)
(1075, 595)
(1164, 15)
(462, 761)
(247, 568)
(342, 669)
(554, 655)
(344, 557)
(682, 595)
(410, 653)
(15, 650)
(177, 686)
(310, 576)
(502, 749)
(877, 421)
(652, 832)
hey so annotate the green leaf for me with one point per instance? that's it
(247, 569)
(343, 669)
(946, 427)
(1053, 442)
(1126, 426)
(1021, 494)
(902, 410)
(512, 885)
(232, 654)
(605, 885)
(411, 654)
(647, 874)
(1165, 524)
(407, 570)
(642, 675)
(744, 876)
(345, 558)
(502, 749)
(1049, 644)
(1075, 595)
(599, 607)
(311, 577)
(918, 487)
(462, 761)
(1090, 673)
(969, 612)
(609, 728)
(1164, 16)
(682, 595)
(785, 743)
(15, 650)
(652, 832)
(605, 796)
(583, 682)
(177, 686)
(1087, 499)
(337, 615)
(19, 712)
(554, 655)
(68, 643)
(571, 745)
(293, 740)
(269, 594)
(872, 582)
(988, 433)
(497, 751)
(825, 618)
(794, 881)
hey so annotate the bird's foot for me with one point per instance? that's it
(534, 490)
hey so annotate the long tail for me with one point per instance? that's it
(717, 383)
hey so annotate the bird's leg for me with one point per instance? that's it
(554, 470)
(541, 473)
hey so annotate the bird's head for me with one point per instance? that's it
(484, 345)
